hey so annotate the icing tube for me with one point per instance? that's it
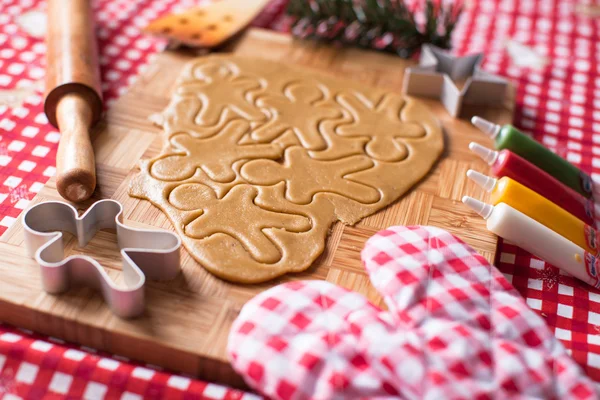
(507, 163)
(508, 137)
(525, 200)
(525, 232)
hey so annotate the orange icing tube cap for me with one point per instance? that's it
(508, 191)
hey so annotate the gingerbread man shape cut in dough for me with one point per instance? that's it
(455, 329)
(214, 155)
(302, 109)
(382, 123)
(236, 215)
(220, 87)
(306, 177)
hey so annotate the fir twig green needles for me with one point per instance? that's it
(386, 25)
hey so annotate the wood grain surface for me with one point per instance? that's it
(187, 320)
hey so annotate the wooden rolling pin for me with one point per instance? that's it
(73, 102)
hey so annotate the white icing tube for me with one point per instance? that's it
(537, 239)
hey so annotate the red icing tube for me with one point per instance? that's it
(507, 163)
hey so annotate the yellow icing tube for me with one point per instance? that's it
(525, 200)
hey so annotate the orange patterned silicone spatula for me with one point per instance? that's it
(207, 26)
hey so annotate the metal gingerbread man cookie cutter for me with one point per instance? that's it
(152, 254)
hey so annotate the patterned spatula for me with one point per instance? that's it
(207, 26)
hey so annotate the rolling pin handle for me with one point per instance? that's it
(76, 168)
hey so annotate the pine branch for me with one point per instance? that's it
(386, 25)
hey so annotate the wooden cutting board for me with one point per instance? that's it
(187, 320)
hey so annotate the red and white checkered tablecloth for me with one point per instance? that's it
(37, 367)
(559, 105)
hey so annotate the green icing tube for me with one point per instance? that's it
(508, 137)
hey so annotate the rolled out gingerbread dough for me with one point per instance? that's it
(262, 158)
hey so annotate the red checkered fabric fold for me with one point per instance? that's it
(35, 367)
(454, 328)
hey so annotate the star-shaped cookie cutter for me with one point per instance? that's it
(438, 72)
(152, 254)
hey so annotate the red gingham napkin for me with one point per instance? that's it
(455, 328)
(39, 367)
